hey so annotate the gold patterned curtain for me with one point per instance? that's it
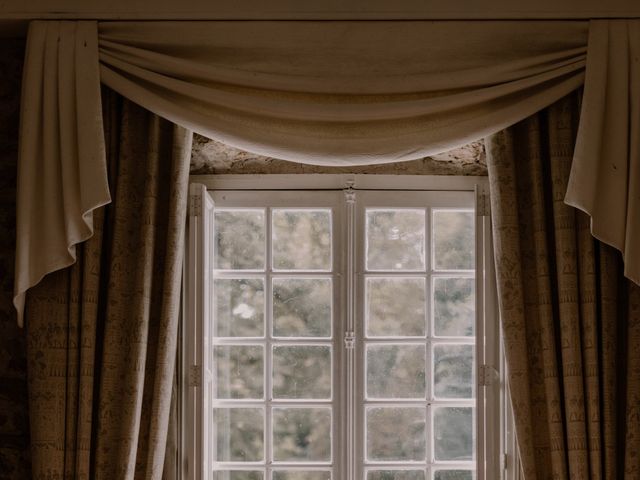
(102, 334)
(571, 322)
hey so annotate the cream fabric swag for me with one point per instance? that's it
(333, 93)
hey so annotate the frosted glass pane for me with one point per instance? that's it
(302, 307)
(302, 372)
(395, 433)
(239, 239)
(239, 434)
(453, 475)
(301, 239)
(454, 240)
(302, 434)
(239, 307)
(396, 371)
(453, 433)
(396, 307)
(453, 371)
(395, 475)
(454, 307)
(239, 371)
(395, 239)
(300, 475)
(237, 475)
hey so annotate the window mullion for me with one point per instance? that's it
(350, 339)
(268, 349)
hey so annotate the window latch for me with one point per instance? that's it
(349, 192)
(349, 340)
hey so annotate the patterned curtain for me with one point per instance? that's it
(571, 323)
(102, 334)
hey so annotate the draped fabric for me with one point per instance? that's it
(322, 92)
(62, 176)
(343, 93)
(570, 321)
(605, 176)
(102, 333)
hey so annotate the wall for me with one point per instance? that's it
(14, 424)
(211, 157)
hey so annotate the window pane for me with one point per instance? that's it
(396, 307)
(301, 239)
(453, 371)
(302, 434)
(453, 475)
(454, 307)
(239, 371)
(302, 307)
(454, 240)
(239, 237)
(395, 475)
(302, 372)
(395, 239)
(396, 433)
(453, 433)
(239, 305)
(396, 371)
(300, 475)
(239, 434)
(237, 475)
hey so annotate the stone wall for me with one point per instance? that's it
(210, 157)
(14, 423)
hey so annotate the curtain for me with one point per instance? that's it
(571, 322)
(325, 93)
(102, 334)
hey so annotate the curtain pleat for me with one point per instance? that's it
(568, 315)
(326, 93)
(102, 334)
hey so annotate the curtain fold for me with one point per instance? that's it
(570, 320)
(62, 175)
(102, 333)
(605, 178)
(334, 93)
(341, 93)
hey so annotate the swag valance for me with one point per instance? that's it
(333, 93)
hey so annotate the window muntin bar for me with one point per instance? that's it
(285, 340)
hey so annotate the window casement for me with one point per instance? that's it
(340, 333)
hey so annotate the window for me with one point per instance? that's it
(340, 334)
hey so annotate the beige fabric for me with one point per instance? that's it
(102, 333)
(605, 178)
(571, 323)
(343, 93)
(320, 92)
(62, 176)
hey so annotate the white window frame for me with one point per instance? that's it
(492, 444)
(429, 200)
(292, 201)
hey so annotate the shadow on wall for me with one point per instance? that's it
(14, 420)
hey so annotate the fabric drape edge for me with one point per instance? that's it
(605, 174)
(61, 151)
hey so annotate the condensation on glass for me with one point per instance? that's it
(418, 350)
(273, 391)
